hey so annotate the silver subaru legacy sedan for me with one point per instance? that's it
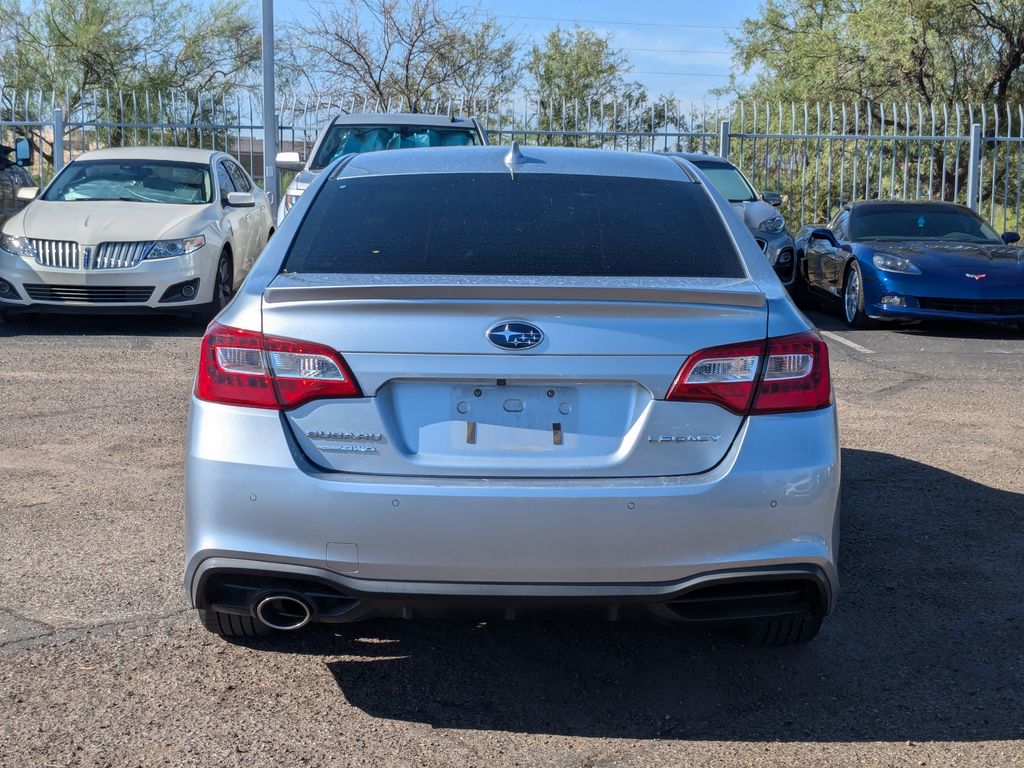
(512, 383)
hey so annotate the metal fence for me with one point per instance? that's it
(816, 155)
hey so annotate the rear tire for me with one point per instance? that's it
(788, 631)
(232, 625)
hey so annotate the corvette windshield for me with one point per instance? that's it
(345, 139)
(920, 222)
(728, 181)
(135, 181)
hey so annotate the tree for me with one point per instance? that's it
(576, 73)
(407, 52)
(933, 51)
(78, 47)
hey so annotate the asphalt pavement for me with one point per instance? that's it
(102, 663)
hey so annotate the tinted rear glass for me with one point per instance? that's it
(492, 224)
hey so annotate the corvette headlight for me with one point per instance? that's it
(19, 246)
(166, 249)
(773, 225)
(889, 263)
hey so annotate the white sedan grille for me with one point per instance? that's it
(120, 255)
(61, 254)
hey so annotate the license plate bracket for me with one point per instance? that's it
(516, 416)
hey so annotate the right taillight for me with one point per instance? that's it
(796, 375)
(240, 367)
(780, 375)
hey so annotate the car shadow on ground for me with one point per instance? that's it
(102, 325)
(925, 643)
(950, 329)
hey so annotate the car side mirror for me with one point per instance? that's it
(27, 194)
(774, 199)
(822, 233)
(289, 161)
(22, 151)
(1011, 237)
(240, 200)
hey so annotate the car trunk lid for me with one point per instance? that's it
(441, 399)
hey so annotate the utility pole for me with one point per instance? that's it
(269, 106)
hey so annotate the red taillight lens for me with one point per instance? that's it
(794, 376)
(722, 375)
(240, 367)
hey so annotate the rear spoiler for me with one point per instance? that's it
(718, 291)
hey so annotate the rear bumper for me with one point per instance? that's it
(251, 496)
(236, 586)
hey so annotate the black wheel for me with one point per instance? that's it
(790, 631)
(232, 625)
(223, 285)
(853, 297)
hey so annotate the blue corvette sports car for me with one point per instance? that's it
(887, 259)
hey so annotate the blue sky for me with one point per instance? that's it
(675, 47)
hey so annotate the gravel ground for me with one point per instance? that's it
(103, 664)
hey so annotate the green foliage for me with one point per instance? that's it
(933, 51)
(85, 50)
(575, 72)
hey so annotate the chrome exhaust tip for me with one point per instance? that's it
(283, 612)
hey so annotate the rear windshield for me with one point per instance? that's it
(492, 224)
(346, 139)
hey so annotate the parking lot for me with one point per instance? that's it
(104, 664)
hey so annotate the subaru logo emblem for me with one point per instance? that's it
(513, 334)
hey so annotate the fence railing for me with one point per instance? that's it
(816, 155)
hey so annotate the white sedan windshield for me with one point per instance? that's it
(143, 181)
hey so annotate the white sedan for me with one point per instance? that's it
(134, 229)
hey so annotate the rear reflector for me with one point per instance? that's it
(782, 375)
(240, 367)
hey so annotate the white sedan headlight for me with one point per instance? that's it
(773, 225)
(889, 263)
(167, 249)
(19, 246)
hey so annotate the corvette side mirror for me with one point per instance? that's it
(1011, 237)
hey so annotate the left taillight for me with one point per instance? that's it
(784, 374)
(240, 367)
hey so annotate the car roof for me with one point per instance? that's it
(699, 157)
(404, 118)
(901, 203)
(555, 160)
(181, 154)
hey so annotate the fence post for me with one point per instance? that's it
(974, 167)
(58, 139)
(723, 139)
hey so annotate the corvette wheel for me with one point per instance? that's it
(853, 298)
